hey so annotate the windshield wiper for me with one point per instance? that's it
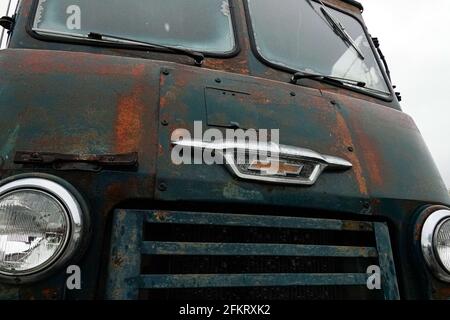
(197, 56)
(320, 77)
(92, 36)
(339, 29)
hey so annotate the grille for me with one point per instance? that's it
(162, 255)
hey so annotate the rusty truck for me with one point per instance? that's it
(92, 205)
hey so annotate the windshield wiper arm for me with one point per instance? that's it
(320, 77)
(340, 30)
(197, 56)
(93, 36)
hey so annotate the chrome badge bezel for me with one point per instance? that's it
(227, 150)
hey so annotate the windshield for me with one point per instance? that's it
(297, 35)
(201, 25)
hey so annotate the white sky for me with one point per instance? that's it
(414, 39)
(3, 7)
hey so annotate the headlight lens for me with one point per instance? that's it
(443, 244)
(33, 230)
(435, 241)
(42, 227)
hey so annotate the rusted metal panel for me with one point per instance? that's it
(125, 279)
(76, 99)
(160, 216)
(245, 249)
(250, 280)
(305, 120)
(78, 162)
(387, 265)
(382, 140)
(125, 256)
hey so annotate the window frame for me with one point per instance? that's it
(61, 39)
(388, 97)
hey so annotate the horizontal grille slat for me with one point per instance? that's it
(241, 249)
(256, 221)
(190, 255)
(250, 280)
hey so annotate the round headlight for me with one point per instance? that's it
(41, 227)
(443, 243)
(435, 243)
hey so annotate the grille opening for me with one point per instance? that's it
(235, 234)
(265, 293)
(209, 256)
(186, 264)
(252, 264)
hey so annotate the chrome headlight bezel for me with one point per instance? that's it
(428, 242)
(76, 214)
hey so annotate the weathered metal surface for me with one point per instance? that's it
(250, 280)
(387, 265)
(76, 99)
(366, 134)
(160, 216)
(78, 162)
(124, 282)
(125, 256)
(245, 249)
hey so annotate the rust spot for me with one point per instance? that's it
(129, 125)
(343, 132)
(160, 150)
(442, 294)
(161, 215)
(418, 231)
(114, 191)
(163, 102)
(49, 293)
(117, 261)
(240, 65)
(371, 157)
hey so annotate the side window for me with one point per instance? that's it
(7, 8)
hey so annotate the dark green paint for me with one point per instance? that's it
(78, 99)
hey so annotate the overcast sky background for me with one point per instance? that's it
(414, 38)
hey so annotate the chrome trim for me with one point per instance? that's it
(322, 162)
(428, 240)
(76, 228)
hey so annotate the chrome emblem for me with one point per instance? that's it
(278, 163)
